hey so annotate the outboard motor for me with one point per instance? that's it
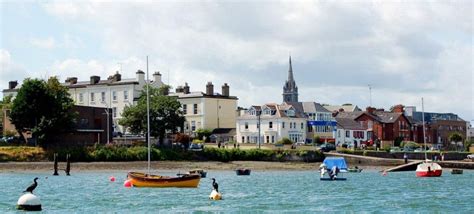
(334, 172)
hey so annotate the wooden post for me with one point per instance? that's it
(68, 164)
(55, 164)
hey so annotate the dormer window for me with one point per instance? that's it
(252, 112)
(290, 112)
(267, 112)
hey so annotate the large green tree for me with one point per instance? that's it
(165, 114)
(44, 108)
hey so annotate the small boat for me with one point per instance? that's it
(139, 179)
(200, 172)
(355, 169)
(428, 169)
(242, 171)
(331, 167)
(456, 171)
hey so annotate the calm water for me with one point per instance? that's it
(263, 192)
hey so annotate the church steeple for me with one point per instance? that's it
(290, 90)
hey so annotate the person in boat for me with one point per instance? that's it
(322, 169)
(215, 186)
(333, 173)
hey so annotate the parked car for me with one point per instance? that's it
(326, 147)
(395, 149)
(195, 147)
(419, 150)
(471, 156)
(299, 144)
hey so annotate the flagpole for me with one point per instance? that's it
(148, 115)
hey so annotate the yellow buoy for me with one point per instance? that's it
(215, 195)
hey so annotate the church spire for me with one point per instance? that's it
(290, 90)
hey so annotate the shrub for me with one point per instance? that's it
(285, 141)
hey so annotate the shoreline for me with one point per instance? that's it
(166, 165)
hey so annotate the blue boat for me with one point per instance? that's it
(331, 167)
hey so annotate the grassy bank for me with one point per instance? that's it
(140, 153)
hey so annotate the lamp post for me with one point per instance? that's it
(259, 126)
(108, 122)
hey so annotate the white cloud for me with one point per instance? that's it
(44, 43)
(9, 69)
(406, 50)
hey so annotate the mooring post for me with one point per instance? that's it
(55, 164)
(68, 164)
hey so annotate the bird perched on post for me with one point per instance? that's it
(215, 185)
(32, 186)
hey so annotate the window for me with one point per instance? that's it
(246, 125)
(248, 139)
(291, 125)
(114, 112)
(270, 125)
(193, 125)
(243, 139)
(92, 97)
(81, 98)
(273, 139)
(268, 139)
(195, 108)
(102, 96)
(294, 125)
(125, 95)
(114, 95)
(185, 109)
(338, 133)
(282, 125)
(302, 125)
(348, 133)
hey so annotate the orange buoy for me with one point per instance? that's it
(112, 178)
(128, 183)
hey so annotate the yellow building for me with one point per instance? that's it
(207, 110)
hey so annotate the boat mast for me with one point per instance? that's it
(423, 119)
(148, 114)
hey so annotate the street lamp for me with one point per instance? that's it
(108, 128)
(259, 126)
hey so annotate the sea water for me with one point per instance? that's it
(261, 192)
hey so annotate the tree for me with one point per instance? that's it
(44, 108)
(165, 114)
(201, 133)
(456, 138)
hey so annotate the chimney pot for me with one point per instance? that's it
(186, 88)
(225, 90)
(94, 80)
(209, 88)
(12, 84)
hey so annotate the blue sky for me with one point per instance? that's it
(404, 50)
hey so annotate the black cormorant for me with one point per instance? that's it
(214, 185)
(32, 186)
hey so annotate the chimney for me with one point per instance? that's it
(186, 88)
(225, 90)
(140, 76)
(179, 89)
(380, 109)
(95, 79)
(398, 109)
(157, 77)
(12, 84)
(370, 110)
(71, 80)
(117, 77)
(209, 88)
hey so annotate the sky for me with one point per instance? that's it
(404, 50)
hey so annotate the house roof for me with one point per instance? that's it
(350, 124)
(387, 117)
(346, 108)
(349, 115)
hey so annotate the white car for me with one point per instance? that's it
(471, 156)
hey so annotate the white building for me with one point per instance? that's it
(114, 92)
(208, 110)
(320, 122)
(350, 132)
(277, 122)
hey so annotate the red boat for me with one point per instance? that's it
(428, 169)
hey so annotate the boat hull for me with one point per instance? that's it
(242, 171)
(429, 170)
(332, 179)
(143, 180)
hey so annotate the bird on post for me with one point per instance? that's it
(215, 185)
(32, 186)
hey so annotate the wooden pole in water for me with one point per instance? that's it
(68, 165)
(55, 156)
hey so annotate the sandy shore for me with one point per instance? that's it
(163, 165)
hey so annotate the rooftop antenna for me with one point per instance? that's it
(148, 114)
(370, 95)
(119, 63)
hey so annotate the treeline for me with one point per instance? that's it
(140, 153)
